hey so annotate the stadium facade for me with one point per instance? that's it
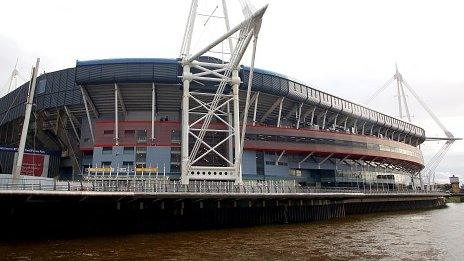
(123, 116)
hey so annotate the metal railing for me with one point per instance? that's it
(160, 186)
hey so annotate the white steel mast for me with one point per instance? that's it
(27, 116)
(200, 108)
(428, 173)
(12, 81)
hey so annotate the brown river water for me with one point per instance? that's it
(417, 235)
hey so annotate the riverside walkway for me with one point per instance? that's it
(150, 187)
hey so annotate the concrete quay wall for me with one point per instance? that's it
(58, 213)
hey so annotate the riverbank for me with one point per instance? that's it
(455, 199)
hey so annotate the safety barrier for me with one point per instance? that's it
(159, 185)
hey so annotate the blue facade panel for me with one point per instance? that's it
(82, 74)
(69, 97)
(118, 73)
(156, 156)
(127, 71)
(160, 156)
(117, 156)
(56, 82)
(273, 170)
(136, 72)
(167, 72)
(70, 79)
(249, 162)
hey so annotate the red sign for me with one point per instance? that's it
(33, 165)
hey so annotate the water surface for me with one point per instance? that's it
(419, 235)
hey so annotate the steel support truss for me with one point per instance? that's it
(201, 109)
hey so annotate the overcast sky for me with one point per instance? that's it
(347, 48)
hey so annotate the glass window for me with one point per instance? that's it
(175, 137)
(141, 155)
(127, 164)
(41, 86)
(260, 163)
(140, 165)
(129, 133)
(295, 172)
(141, 149)
(175, 168)
(106, 164)
(128, 150)
(107, 150)
(175, 158)
(141, 136)
(108, 132)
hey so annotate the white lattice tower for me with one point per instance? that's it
(210, 119)
(427, 174)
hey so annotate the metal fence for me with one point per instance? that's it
(160, 186)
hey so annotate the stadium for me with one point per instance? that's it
(123, 118)
(200, 140)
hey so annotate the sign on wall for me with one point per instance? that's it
(123, 170)
(34, 164)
